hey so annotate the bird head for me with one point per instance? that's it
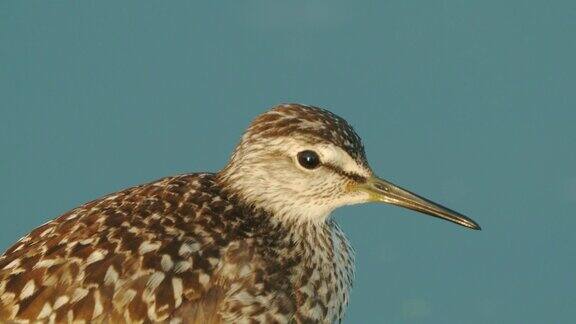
(301, 162)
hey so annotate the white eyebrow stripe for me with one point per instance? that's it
(329, 154)
(338, 157)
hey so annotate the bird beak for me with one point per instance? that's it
(383, 191)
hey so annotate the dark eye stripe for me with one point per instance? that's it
(353, 176)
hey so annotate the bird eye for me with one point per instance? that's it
(309, 159)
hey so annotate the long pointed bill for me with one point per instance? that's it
(384, 191)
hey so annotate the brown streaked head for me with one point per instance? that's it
(317, 124)
(302, 162)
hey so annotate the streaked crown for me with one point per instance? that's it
(298, 162)
(314, 123)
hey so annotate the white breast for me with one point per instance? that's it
(327, 274)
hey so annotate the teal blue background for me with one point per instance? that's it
(470, 103)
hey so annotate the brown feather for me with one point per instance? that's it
(184, 249)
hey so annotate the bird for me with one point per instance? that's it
(251, 243)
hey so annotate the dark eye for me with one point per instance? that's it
(309, 159)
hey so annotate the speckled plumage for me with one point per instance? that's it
(245, 245)
(253, 243)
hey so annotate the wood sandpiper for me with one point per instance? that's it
(252, 243)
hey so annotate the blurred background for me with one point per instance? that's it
(469, 103)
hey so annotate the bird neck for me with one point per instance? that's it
(259, 188)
